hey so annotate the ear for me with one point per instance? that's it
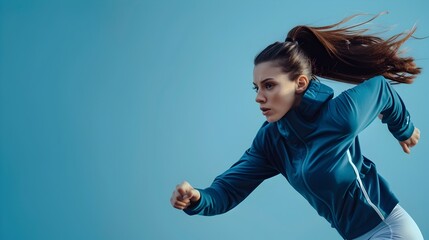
(301, 84)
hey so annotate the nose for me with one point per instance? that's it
(260, 98)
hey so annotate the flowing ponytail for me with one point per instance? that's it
(344, 54)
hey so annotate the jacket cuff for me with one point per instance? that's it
(406, 133)
(195, 208)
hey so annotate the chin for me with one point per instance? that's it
(272, 119)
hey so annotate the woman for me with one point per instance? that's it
(311, 138)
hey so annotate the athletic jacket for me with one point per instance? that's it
(315, 147)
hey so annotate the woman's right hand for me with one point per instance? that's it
(184, 195)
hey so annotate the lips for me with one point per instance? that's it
(265, 110)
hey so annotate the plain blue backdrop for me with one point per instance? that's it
(107, 105)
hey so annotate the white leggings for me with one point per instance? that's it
(398, 225)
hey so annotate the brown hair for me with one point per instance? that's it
(341, 53)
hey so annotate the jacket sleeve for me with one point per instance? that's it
(235, 184)
(357, 107)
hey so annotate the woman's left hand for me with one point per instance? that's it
(411, 142)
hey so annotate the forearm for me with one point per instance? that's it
(223, 196)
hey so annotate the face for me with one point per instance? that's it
(276, 92)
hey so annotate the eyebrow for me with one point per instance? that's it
(266, 79)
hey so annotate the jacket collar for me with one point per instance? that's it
(301, 117)
(316, 95)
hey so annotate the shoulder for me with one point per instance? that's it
(265, 130)
(370, 84)
(265, 133)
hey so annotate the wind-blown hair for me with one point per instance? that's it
(341, 53)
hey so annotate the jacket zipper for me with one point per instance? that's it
(305, 181)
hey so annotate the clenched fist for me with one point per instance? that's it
(184, 195)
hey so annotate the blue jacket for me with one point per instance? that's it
(315, 147)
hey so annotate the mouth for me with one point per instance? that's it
(265, 110)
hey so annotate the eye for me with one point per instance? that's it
(269, 86)
(255, 88)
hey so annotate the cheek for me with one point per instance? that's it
(283, 100)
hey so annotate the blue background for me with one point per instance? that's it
(107, 105)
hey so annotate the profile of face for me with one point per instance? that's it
(276, 92)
